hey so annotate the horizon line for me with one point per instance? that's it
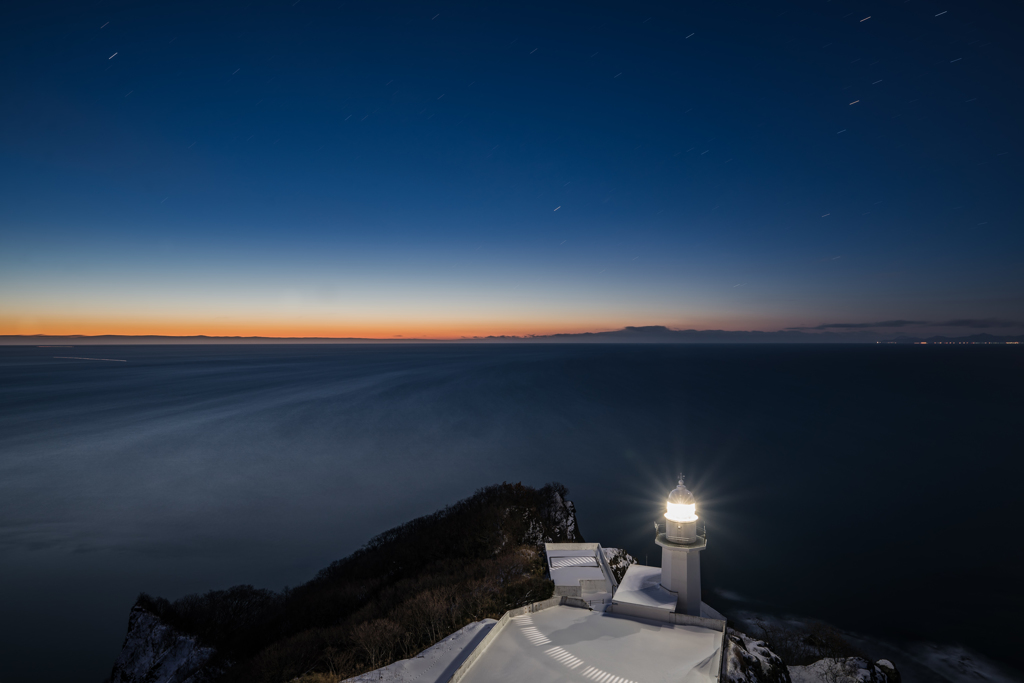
(643, 334)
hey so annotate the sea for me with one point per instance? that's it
(877, 488)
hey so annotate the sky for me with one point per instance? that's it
(444, 169)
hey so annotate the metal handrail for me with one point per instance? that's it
(657, 530)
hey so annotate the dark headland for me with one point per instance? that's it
(413, 586)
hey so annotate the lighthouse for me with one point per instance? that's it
(670, 592)
(680, 550)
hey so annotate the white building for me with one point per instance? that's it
(581, 570)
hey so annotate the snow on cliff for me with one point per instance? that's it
(618, 561)
(156, 652)
(849, 670)
(560, 516)
(564, 514)
(557, 523)
(749, 660)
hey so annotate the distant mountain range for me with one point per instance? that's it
(970, 339)
(659, 334)
(651, 334)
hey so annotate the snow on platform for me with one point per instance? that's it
(571, 576)
(569, 567)
(642, 586)
(562, 644)
(437, 663)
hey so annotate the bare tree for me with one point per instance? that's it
(377, 640)
(835, 652)
(339, 662)
(512, 565)
(436, 610)
(788, 643)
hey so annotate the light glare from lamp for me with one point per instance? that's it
(679, 512)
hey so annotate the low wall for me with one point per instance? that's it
(607, 571)
(655, 614)
(703, 622)
(639, 611)
(576, 602)
(572, 546)
(570, 591)
(594, 586)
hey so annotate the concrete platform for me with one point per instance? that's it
(563, 644)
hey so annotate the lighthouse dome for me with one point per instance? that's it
(680, 495)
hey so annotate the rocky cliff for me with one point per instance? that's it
(618, 561)
(748, 660)
(845, 670)
(155, 652)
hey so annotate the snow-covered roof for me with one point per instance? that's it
(642, 586)
(568, 643)
(641, 595)
(572, 575)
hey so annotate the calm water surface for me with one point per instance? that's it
(876, 487)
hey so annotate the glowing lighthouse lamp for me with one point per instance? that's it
(681, 546)
(681, 518)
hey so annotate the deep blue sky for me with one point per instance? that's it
(354, 168)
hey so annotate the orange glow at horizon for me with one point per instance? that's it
(364, 329)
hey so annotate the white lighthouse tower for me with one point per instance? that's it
(670, 592)
(680, 550)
